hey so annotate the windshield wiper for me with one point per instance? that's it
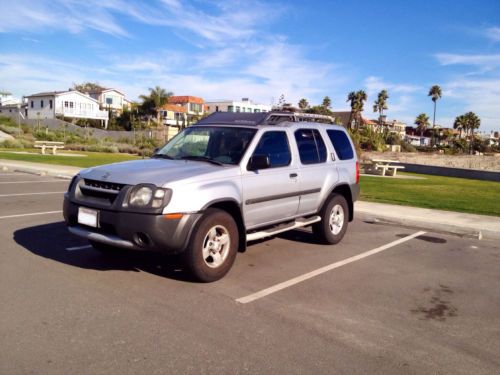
(201, 158)
(162, 156)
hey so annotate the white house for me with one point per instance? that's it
(72, 104)
(245, 105)
(416, 140)
(110, 99)
(6, 99)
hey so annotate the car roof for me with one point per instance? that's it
(264, 119)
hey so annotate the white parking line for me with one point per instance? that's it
(29, 182)
(78, 247)
(20, 194)
(32, 214)
(319, 271)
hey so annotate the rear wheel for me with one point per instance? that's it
(334, 220)
(213, 246)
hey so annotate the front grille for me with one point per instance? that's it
(101, 192)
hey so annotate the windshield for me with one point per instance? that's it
(223, 145)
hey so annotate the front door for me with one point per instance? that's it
(272, 194)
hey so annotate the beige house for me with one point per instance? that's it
(111, 100)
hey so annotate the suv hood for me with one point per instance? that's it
(156, 171)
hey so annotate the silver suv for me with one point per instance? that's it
(229, 179)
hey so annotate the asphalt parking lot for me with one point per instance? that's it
(418, 303)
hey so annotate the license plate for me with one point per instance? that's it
(86, 216)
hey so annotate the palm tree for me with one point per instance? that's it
(357, 100)
(157, 97)
(473, 122)
(460, 124)
(380, 104)
(435, 94)
(422, 122)
(303, 104)
(327, 103)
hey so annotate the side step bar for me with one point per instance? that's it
(298, 223)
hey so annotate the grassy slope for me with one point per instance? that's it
(445, 193)
(92, 158)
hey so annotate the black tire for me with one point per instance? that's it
(105, 249)
(324, 230)
(209, 237)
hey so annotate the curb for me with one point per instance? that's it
(456, 230)
(36, 171)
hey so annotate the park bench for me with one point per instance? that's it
(54, 146)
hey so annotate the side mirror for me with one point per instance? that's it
(257, 162)
(156, 150)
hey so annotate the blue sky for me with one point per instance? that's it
(262, 49)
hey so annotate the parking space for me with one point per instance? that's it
(428, 304)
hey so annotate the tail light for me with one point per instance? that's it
(357, 172)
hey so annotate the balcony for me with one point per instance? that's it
(81, 113)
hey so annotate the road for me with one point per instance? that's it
(428, 304)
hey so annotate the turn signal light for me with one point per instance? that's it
(175, 216)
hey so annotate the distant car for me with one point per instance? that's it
(229, 179)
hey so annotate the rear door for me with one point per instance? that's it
(271, 195)
(317, 171)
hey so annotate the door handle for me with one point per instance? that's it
(293, 175)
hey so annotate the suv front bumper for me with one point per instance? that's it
(136, 231)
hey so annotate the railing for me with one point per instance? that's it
(75, 112)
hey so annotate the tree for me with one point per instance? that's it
(327, 103)
(156, 98)
(435, 94)
(460, 124)
(472, 122)
(303, 104)
(422, 122)
(87, 86)
(380, 104)
(357, 100)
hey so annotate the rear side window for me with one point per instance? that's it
(341, 144)
(275, 145)
(312, 149)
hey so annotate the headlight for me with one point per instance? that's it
(141, 197)
(144, 196)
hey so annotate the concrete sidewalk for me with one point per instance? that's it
(458, 223)
(60, 171)
(462, 224)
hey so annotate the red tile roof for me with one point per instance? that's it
(173, 108)
(185, 99)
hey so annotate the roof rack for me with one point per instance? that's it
(262, 118)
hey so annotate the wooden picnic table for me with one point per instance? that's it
(384, 165)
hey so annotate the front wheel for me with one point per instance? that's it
(334, 220)
(213, 246)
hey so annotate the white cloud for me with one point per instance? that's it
(375, 84)
(493, 33)
(484, 61)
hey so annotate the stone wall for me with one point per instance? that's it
(479, 162)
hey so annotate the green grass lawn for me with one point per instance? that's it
(444, 193)
(91, 159)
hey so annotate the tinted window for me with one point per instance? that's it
(312, 149)
(275, 145)
(341, 144)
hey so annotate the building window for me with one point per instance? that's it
(41, 103)
(237, 109)
(50, 103)
(109, 101)
(256, 110)
(71, 104)
(216, 108)
(65, 104)
(230, 108)
(32, 104)
(208, 108)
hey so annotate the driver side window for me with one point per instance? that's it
(274, 144)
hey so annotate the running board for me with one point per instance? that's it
(298, 223)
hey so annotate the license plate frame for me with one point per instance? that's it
(88, 216)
